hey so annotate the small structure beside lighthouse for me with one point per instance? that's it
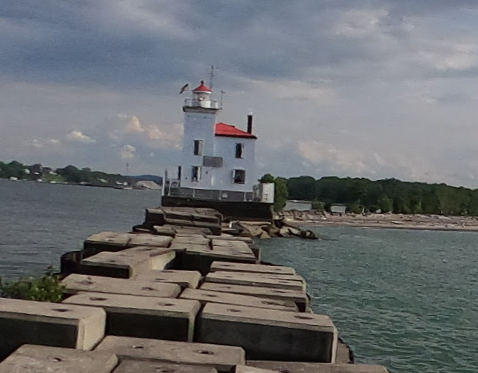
(217, 161)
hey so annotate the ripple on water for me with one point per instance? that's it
(404, 299)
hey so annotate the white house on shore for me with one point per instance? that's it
(217, 161)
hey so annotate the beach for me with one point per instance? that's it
(396, 221)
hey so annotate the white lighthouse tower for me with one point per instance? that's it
(217, 162)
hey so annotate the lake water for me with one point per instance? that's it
(404, 299)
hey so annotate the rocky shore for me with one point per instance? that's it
(396, 221)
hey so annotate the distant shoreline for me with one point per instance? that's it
(387, 221)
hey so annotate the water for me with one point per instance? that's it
(404, 299)
(39, 222)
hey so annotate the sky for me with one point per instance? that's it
(371, 88)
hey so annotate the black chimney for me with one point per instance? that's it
(249, 123)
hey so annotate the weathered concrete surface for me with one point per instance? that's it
(113, 265)
(190, 245)
(294, 367)
(299, 297)
(159, 258)
(50, 324)
(159, 215)
(196, 219)
(235, 252)
(254, 279)
(127, 262)
(268, 334)
(253, 268)
(214, 228)
(272, 276)
(222, 358)
(344, 354)
(143, 317)
(192, 239)
(131, 366)
(106, 241)
(163, 231)
(217, 242)
(199, 257)
(232, 238)
(149, 240)
(185, 279)
(75, 283)
(180, 230)
(42, 359)
(206, 296)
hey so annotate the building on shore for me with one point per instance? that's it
(218, 159)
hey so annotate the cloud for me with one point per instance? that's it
(78, 136)
(378, 88)
(127, 152)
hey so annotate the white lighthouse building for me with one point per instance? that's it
(217, 162)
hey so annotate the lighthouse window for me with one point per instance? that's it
(239, 176)
(196, 173)
(239, 150)
(198, 147)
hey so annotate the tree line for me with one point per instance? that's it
(69, 174)
(388, 195)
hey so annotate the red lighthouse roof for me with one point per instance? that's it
(223, 129)
(202, 88)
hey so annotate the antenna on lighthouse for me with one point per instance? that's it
(212, 74)
(222, 99)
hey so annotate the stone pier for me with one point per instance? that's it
(177, 294)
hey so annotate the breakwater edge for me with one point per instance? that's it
(339, 270)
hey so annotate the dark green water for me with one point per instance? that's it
(405, 299)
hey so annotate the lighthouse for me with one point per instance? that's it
(217, 159)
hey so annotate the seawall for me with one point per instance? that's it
(177, 295)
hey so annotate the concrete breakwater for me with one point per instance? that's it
(178, 295)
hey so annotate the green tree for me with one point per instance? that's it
(280, 190)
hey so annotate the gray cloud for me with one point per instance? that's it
(344, 87)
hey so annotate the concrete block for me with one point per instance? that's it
(131, 366)
(190, 230)
(164, 231)
(222, 358)
(214, 228)
(268, 334)
(143, 317)
(272, 276)
(234, 252)
(127, 262)
(299, 297)
(344, 354)
(50, 324)
(254, 268)
(295, 367)
(206, 296)
(159, 215)
(185, 279)
(149, 240)
(254, 279)
(75, 283)
(42, 359)
(193, 239)
(201, 260)
(106, 241)
(231, 238)
(183, 246)
(113, 265)
(159, 258)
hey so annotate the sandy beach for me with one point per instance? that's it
(396, 221)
